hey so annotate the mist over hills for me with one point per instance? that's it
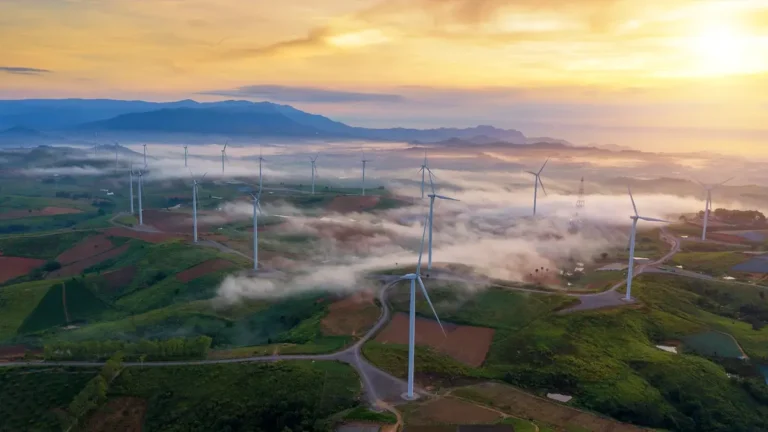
(86, 117)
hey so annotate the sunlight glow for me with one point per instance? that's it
(723, 50)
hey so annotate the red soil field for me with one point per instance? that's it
(13, 267)
(453, 411)
(352, 203)
(12, 352)
(46, 211)
(351, 316)
(119, 278)
(150, 237)
(178, 222)
(78, 267)
(203, 269)
(88, 247)
(466, 344)
(125, 414)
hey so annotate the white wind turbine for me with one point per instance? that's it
(432, 197)
(536, 182)
(223, 155)
(185, 155)
(261, 159)
(364, 161)
(424, 171)
(416, 277)
(313, 162)
(708, 205)
(256, 211)
(130, 185)
(141, 212)
(634, 218)
(195, 184)
(145, 156)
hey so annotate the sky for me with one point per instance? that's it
(653, 74)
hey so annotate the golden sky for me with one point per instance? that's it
(600, 64)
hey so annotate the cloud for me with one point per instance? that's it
(304, 94)
(23, 70)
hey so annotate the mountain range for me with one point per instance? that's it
(86, 117)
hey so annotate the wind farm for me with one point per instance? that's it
(419, 299)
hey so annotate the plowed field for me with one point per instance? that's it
(13, 267)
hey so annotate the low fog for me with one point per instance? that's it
(489, 229)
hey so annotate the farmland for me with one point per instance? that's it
(464, 343)
(13, 267)
(712, 263)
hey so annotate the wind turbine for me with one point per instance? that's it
(185, 156)
(130, 177)
(708, 205)
(536, 182)
(424, 171)
(256, 211)
(145, 156)
(364, 161)
(141, 212)
(432, 197)
(261, 159)
(194, 205)
(314, 171)
(414, 277)
(634, 218)
(223, 155)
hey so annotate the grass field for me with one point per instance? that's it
(713, 344)
(711, 263)
(45, 247)
(81, 305)
(16, 303)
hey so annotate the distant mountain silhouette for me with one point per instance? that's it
(254, 119)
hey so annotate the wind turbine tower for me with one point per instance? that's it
(141, 212)
(364, 161)
(634, 218)
(130, 185)
(256, 211)
(261, 159)
(223, 155)
(312, 161)
(416, 277)
(185, 156)
(195, 184)
(116, 148)
(708, 205)
(536, 182)
(145, 156)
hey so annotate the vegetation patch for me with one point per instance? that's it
(714, 344)
(16, 303)
(269, 397)
(65, 303)
(45, 247)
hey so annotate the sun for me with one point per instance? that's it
(720, 51)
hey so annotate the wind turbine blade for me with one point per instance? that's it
(201, 178)
(652, 219)
(225, 145)
(633, 200)
(542, 167)
(720, 184)
(447, 198)
(432, 182)
(542, 185)
(421, 248)
(431, 306)
(531, 172)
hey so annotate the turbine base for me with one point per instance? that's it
(628, 300)
(405, 396)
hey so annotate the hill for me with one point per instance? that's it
(225, 117)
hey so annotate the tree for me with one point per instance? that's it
(604, 255)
